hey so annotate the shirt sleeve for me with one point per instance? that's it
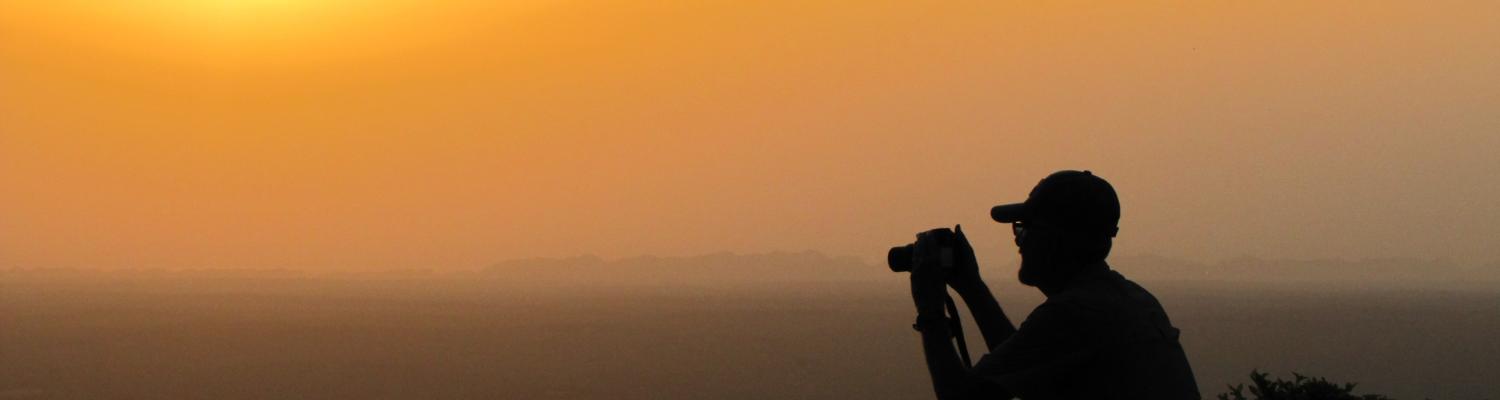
(1038, 357)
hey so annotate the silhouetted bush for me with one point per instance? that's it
(1299, 388)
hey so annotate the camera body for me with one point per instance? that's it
(933, 246)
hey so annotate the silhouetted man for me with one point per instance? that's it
(1097, 336)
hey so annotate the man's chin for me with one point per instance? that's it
(1026, 277)
(1034, 275)
(1027, 282)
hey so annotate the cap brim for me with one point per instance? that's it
(1008, 213)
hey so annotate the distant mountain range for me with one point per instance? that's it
(712, 267)
(1253, 269)
(813, 266)
(816, 266)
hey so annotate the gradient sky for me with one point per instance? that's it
(394, 134)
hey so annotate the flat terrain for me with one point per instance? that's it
(202, 336)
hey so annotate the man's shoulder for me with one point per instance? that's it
(1106, 298)
(1101, 289)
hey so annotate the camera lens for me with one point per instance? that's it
(900, 258)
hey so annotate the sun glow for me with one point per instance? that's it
(252, 34)
(211, 17)
(231, 22)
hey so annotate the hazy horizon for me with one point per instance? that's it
(751, 269)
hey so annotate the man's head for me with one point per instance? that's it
(1065, 225)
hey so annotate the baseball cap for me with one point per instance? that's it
(1074, 200)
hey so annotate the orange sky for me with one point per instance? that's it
(394, 134)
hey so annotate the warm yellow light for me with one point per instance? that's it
(233, 7)
(251, 34)
(244, 19)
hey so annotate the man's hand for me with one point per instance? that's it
(930, 271)
(928, 291)
(965, 272)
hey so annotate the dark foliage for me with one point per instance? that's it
(1299, 388)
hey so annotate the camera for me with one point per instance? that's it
(936, 244)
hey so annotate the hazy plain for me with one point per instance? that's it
(261, 335)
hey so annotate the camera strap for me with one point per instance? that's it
(957, 328)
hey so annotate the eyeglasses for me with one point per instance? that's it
(1020, 229)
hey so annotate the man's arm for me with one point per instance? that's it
(991, 319)
(951, 379)
(993, 323)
